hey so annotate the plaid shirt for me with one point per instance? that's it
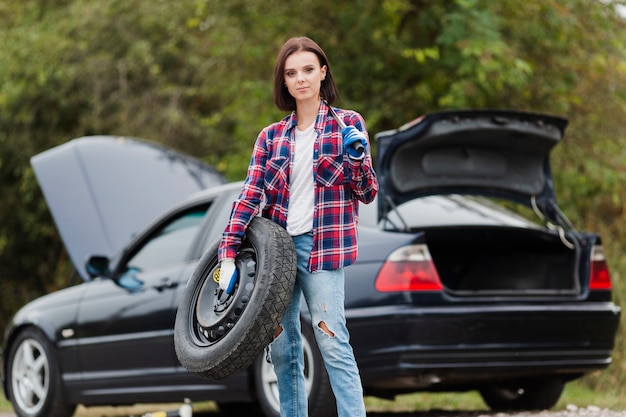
(340, 183)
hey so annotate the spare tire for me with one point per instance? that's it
(217, 336)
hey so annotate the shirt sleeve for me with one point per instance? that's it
(248, 203)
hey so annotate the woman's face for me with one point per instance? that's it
(303, 75)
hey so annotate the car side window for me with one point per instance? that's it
(171, 244)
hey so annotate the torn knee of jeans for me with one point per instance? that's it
(323, 327)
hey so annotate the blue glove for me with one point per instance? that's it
(228, 275)
(354, 142)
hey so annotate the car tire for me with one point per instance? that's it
(215, 339)
(321, 399)
(526, 395)
(33, 378)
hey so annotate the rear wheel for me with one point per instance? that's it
(217, 336)
(527, 394)
(34, 379)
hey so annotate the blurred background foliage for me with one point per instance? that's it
(196, 75)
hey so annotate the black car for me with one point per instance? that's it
(456, 288)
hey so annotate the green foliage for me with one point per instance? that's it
(197, 75)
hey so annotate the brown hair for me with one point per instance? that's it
(282, 98)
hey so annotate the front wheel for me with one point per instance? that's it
(34, 379)
(321, 399)
(524, 395)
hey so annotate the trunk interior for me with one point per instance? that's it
(489, 261)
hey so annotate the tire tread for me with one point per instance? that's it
(277, 266)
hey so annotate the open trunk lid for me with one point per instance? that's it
(495, 153)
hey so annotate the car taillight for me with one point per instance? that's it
(599, 279)
(409, 268)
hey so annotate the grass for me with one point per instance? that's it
(576, 393)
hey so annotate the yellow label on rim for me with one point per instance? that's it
(216, 275)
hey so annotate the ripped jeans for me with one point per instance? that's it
(324, 295)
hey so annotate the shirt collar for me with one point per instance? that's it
(322, 117)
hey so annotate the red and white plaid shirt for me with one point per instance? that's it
(340, 183)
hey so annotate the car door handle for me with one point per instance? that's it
(166, 284)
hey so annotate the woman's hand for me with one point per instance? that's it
(354, 142)
(228, 275)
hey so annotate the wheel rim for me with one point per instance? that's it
(269, 382)
(30, 376)
(212, 321)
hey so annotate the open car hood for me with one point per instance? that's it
(482, 152)
(101, 190)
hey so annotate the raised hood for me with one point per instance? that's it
(101, 190)
(483, 152)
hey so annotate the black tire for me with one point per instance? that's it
(525, 395)
(217, 340)
(321, 398)
(33, 378)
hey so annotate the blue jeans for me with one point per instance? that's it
(324, 295)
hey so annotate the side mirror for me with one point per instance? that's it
(129, 281)
(98, 266)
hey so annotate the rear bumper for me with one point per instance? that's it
(408, 348)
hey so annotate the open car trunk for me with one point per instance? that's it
(487, 153)
(497, 261)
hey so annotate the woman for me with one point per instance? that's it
(308, 175)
